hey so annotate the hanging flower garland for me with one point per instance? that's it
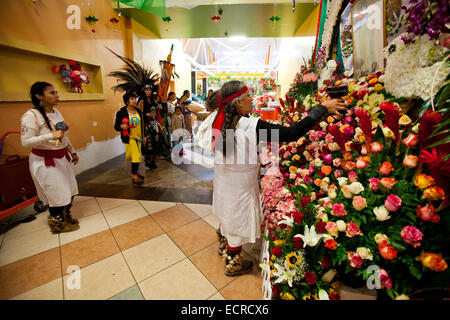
(114, 21)
(216, 17)
(167, 21)
(72, 76)
(274, 20)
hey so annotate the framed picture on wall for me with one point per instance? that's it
(368, 30)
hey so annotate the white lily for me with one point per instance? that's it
(287, 221)
(284, 273)
(311, 238)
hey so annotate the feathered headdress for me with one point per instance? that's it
(133, 76)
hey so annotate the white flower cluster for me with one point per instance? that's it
(332, 13)
(410, 68)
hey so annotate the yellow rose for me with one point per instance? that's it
(423, 181)
(378, 87)
(296, 117)
(279, 242)
(293, 169)
(296, 157)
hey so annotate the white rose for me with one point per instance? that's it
(346, 192)
(323, 124)
(356, 188)
(342, 181)
(381, 213)
(332, 193)
(341, 225)
(318, 163)
(333, 146)
(364, 253)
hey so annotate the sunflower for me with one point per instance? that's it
(287, 296)
(292, 259)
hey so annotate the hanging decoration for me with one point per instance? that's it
(216, 17)
(114, 21)
(91, 19)
(274, 18)
(167, 21)
(293, 5)
(118, 9)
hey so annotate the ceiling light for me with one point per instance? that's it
(238, 38)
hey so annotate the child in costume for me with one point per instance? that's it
(236, 200)
(129, 124)
(43, 130)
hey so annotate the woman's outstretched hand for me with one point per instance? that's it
(334, 105)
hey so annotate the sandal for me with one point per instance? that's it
(138, 181)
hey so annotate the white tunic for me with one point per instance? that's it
(56, 185)
(236, 200)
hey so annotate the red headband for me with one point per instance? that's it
(218, 123)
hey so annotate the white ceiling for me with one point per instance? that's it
(189, 4)
(241, 55)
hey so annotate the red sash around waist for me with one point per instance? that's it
(49, 155)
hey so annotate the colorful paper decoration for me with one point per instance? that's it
(91, 19)
(216, 17)
(167, 21)
(274, 18)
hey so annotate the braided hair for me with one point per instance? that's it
(232, 115)
(38, 88)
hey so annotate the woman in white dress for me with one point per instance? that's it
(43, 130)
(234, 136)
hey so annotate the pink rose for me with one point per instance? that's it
(311, 169)
(412, 235)
(393, 202)
(411, 140)
(349, 131)
(352, 176)
(374, 184)
(411, 161)
(332, 228)
(359, 203)
(355, 260)
(376, 146)
(292, 176)
(338, 210)
(337, 162)
(286, 154)
(361, 163)
(338, 173)
(385, 280)
(352, 230)
(364, 150)
(327, 158)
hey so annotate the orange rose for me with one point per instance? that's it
(349, 100)
(348, 155)
(434, 193)
(326, 170)
(331, 244)
(388, 252)
(318, 182)
(388, 183)
(348, 165)
(386, 168)
(423, 181)
(433, 262)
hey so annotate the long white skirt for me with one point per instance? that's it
(236, 202)
(56, 185)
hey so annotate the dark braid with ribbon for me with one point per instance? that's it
(228, 115)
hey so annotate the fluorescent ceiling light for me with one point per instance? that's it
(238, 38)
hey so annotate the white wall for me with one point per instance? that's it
(292, 51)
(149, 52)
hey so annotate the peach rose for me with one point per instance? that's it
(434, 193)
(359, 203)
(326, 170)
(433, 262)
(411, 140)
(376, 146)
(386, 168)
(388, 183)
(428, 213)
(411, 161)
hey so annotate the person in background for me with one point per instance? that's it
(210, 92)
(43, 129)
(129, 124)
(236, 199)
(153, 137)
(187, 113)
(178, 127)
(171, 103)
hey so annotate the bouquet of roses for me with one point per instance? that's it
(305, 82)
(364, 207)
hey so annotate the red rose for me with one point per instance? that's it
(388, 252)
(276, 290)
(331, 244)
(320, 227)
(310, 277)
(298, 217)
(72, 62)
(334, 297)
(277, 251)
(305, 200)
(298, 242)
(282, 169)
(326, 262)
